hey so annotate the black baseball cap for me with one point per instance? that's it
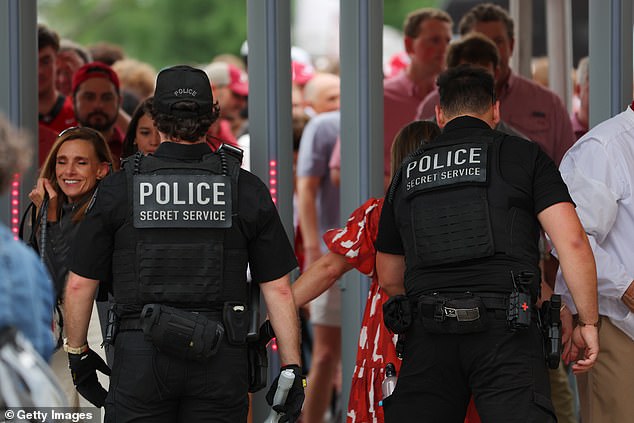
(179, 83)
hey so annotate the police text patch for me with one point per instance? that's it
(450, 165)
(182, 201)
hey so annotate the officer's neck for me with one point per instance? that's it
(166, 138)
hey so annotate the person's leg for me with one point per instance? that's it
(561, 395)
(323, 367)
(145, 384)
(216, 391)
(605, 392)
(325, 316)
(431, 386)
(508, 375)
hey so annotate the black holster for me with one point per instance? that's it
(235, 318)
(550, 322)
(181, 334)
(258, 358)
(458, 315)
(397, 314)
(112, 327)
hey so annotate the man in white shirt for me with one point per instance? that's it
(599, 172)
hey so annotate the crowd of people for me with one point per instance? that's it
(521, 200)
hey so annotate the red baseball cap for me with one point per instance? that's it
(94, 70)
(224, 74)
(397, 62)
(301, 72)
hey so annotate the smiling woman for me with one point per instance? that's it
(78, 160)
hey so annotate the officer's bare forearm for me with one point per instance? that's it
(284, 318)
(390, 269)
(576, 260)
(78, 302)
(320, 276)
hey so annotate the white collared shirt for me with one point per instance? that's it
(599, 172)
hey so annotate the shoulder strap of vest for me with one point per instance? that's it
(232, 151)
(131, 163)
(131, 167)
(231, 160)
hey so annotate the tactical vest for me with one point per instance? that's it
(457, 206)
(170, 249)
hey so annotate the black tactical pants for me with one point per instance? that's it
(149, 386)
(505, 372)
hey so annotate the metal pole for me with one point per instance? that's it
(18, 92)
(610, 25)
(559, 33)
(270, 122)
(522, 14)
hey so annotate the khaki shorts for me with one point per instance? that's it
(326, 309)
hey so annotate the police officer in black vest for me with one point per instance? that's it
(175, 231)
(458, 254)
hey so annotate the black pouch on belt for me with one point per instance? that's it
(181, 334)
(452, 315)
(236, 322)
(397, 314)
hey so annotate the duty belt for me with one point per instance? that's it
(131, 322)
(495, 303)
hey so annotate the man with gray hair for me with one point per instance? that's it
(580, 118)
(322, 93)
(71, 56)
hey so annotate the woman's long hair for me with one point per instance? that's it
(410, 138)
(129, 142)
(48, 169)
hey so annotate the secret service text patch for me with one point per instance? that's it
(182, 201)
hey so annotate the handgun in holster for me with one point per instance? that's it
(520, 301)
(550, 320)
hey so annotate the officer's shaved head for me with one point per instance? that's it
(465, 90)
